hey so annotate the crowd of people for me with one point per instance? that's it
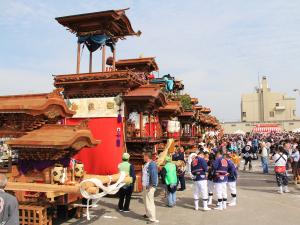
(280, 148)
(213, 168)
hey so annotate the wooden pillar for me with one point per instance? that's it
(114, 59)
(194, 130)
(91, 62)
(78, 59)
(103, 59)
(149, 118)
(141, 124)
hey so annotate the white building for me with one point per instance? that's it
(265, 107)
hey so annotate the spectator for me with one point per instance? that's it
(255, 145)
(9, 207)
(179, 155)
(150, 182)
(287, 151)
(169, 176)
(247, 155)
(280, 160)
(264, 158)
(126, 191)
(295, 156)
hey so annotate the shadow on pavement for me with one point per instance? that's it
(130, 214)
(185, 202)
(271, 191)
(95, 215)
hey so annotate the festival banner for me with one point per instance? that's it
(95, 107)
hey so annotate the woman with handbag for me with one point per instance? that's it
(280, 160)
(169, 177)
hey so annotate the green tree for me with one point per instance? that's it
(186, 102)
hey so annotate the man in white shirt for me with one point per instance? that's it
(150, 182)
(264, 158)
(280, 160)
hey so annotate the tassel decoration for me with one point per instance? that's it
(118, 142)
(119, 118)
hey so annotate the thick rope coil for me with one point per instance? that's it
(110, 180)
(110, 189)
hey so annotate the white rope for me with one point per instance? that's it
(109, 189)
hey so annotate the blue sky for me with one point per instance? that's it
(216, 47)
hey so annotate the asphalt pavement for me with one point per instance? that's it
(258, 204)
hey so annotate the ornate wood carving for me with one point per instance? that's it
(80, 144)
(53, 111)
(53, 142)
(100, 84)
(22, 113)
(113, 22)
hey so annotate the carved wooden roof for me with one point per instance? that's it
(146, 96)
(198, 107)
(139, 64)
(194, 101)
(18, 124)
(56, 136)
(202, 109)
(50, 104)
(99, 84)
(53, 142)
(187, 114)
(147, 91)
(172, 107)
(205, 110)
(208, 120)
(114, 23)
(202, 117)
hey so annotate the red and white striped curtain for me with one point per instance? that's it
(266, 129)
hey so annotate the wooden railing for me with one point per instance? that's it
(150, 132)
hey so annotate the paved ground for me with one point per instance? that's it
(258, 204)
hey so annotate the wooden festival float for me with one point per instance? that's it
(196, 123)
(97, 95)
(208, 125)
(39, 151)
(188, 135)
(119, 97)
(168, 116)
(143, 130)
(20, 114)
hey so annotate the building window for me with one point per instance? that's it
(233, 125)
(291, 124)
(294, 112)
(277, 104)
(244, 114)
(272, 113)
(247, 125)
